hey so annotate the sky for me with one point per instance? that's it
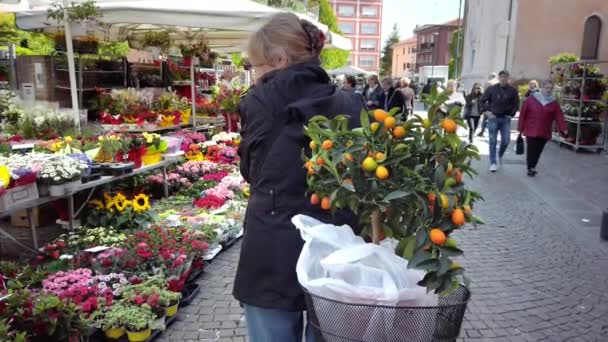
(408, 13)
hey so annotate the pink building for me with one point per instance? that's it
(361, 22)
(404, 58)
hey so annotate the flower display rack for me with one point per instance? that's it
(91, 185)
(583, 94)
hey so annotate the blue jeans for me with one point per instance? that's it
(502, 125)
(271, 325)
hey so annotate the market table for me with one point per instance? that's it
(28, 206)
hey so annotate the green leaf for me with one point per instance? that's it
(364, 118)
(450, 251)
(410, 246)
(420, 256)
(348, 186)
(396, 195)
(444, 265)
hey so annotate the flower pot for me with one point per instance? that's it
(139, 336)
(43, 190)
(152, 158)
(159, 323)
(114, 333)
(172, 310)
(56, 190)
(71, 186)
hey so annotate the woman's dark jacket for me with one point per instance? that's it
(472, 100)
(273, 117)
(374, 97)
(394, 99)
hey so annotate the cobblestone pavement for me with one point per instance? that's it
(538, 268)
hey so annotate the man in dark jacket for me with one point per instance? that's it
(500, 103)
(392, 97)
(273, 117)
(426, 90)
(372, 93)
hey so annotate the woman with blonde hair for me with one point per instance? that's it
(291, 88)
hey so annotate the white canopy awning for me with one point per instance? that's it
(348, 70)
(224, 24)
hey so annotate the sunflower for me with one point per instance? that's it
(96, 203)
(110, 204)
(141, 203)
(121, 202)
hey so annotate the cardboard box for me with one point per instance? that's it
(43, 216)
(18, 195)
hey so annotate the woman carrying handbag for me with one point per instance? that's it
(536, 122)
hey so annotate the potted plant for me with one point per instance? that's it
(138, 321)
(112, 322)
(155, 146)
(82, 18)
(405, 180)
(157, 41)
(61, 174)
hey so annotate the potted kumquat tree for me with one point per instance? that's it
(405, 179)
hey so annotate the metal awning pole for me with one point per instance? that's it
(71, 64)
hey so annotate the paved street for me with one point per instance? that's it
(538, 268)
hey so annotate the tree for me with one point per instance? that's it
(453, 55)
(330, 58)
(387, 52)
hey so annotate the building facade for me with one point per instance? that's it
(434, 43)
(361, 22)
(404, 58)
(520, 36)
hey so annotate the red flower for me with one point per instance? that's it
(60, 244)
(138, 300)
(144, 254)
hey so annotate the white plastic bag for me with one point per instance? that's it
(336, 264)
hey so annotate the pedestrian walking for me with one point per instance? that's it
(392, 97)
(455, 99)
(492, 80)
(292, 88)
(472, 110)
(372, 93)
(426, 90)
(409, 94)
(532, 88)
(500, 103)
(536, 119)
(350, 87)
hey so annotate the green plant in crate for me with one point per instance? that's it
(403, 178)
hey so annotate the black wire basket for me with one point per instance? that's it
(335, 321)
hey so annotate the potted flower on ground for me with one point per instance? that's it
(113, 322)
(138, 322)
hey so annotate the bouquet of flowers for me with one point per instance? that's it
(108, 261)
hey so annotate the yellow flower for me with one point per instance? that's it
(141, 203)
(96, 203)
(121, 202)
(68, 139)
(107, 198)
(101, 138)
(110, 206)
